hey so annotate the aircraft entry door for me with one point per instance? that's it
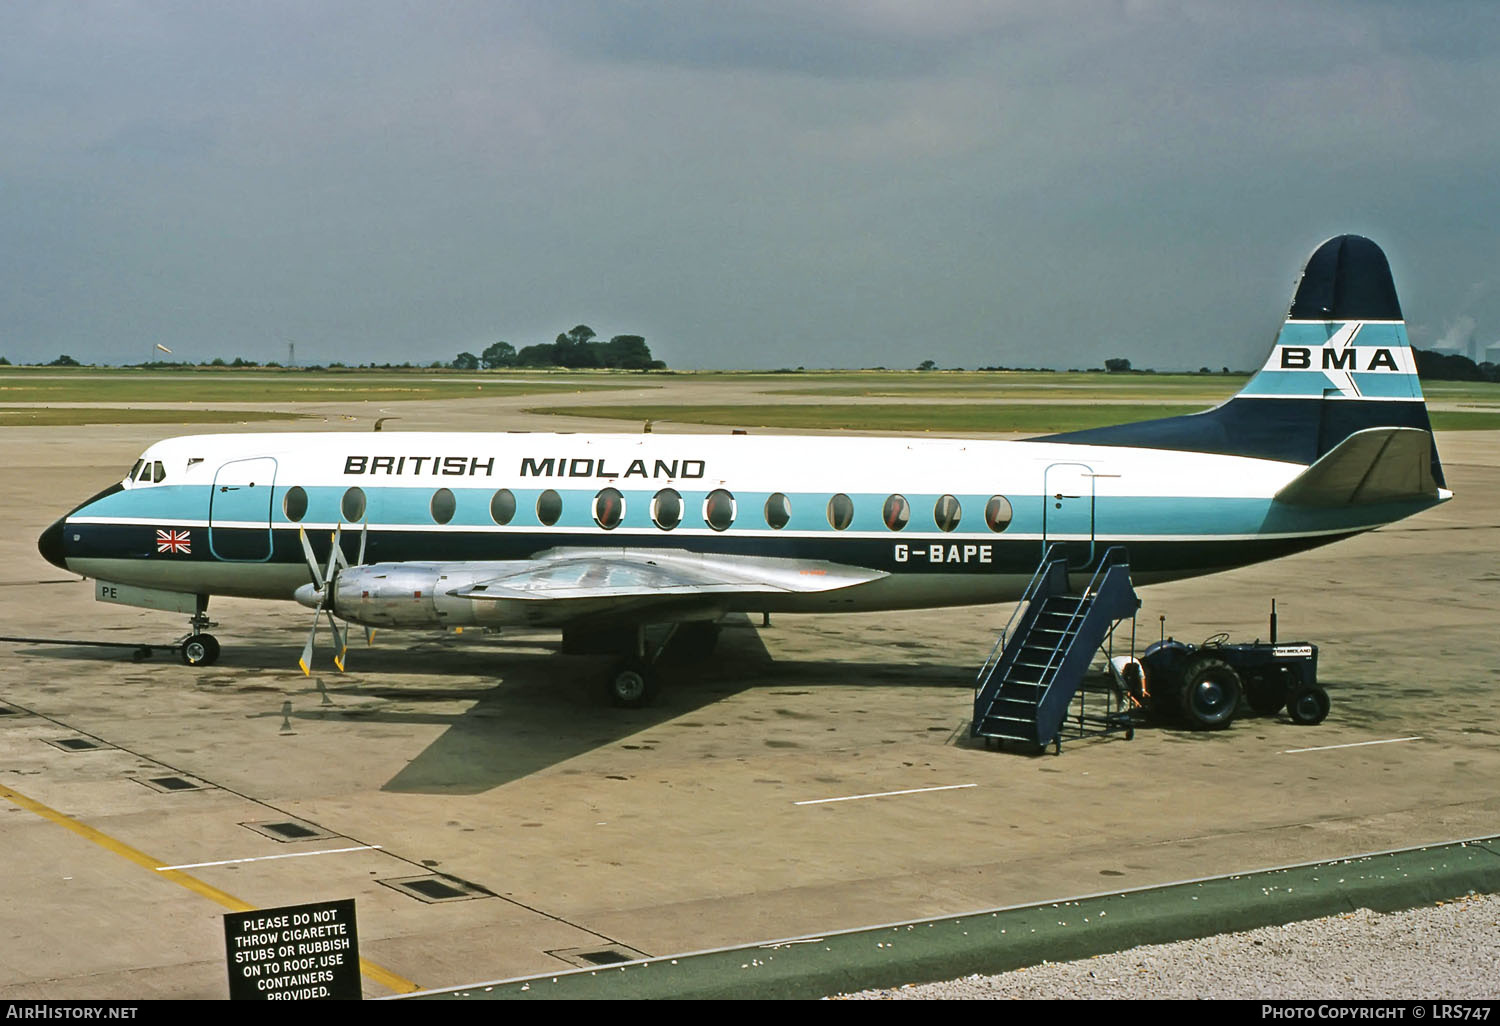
(239, 512)
(1068, 513)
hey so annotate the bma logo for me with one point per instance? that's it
(1301, 358)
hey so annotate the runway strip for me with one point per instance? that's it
(376, 973)
(999, 940)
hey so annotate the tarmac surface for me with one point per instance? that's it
(574, 833)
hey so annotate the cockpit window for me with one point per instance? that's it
(147, 473)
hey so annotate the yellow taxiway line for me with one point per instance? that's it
(160, 869)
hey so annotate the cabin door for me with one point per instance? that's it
(1068, 512)
(239, 512)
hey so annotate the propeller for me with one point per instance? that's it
(323, 590)
(323, 584)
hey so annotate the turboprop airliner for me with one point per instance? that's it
(606, 536)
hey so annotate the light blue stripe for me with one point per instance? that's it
(1160, 516)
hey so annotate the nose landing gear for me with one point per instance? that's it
(197, 647)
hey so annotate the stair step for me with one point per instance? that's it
(1024, 689)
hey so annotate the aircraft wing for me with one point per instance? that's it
(1383, 464)
(621, 580)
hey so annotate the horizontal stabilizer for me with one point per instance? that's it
(1376, 465)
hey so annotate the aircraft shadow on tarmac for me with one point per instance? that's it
(526, 708)
(550, 708)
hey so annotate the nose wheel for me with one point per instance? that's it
(197, 647)
(200, 650)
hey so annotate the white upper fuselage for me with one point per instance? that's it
(927, 512)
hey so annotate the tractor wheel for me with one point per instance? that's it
(1211, 691)
(1265, 693)
(1308, 705)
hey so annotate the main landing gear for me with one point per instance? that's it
(634, 680)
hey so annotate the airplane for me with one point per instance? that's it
(608, 535)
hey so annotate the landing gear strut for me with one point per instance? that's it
(633, 682)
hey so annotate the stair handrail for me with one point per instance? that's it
(997, 653)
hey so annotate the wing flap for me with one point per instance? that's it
(1373, 466)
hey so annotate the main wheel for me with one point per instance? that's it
(200, 650)
(1211, 691)
(631, 685)
(1308, 705)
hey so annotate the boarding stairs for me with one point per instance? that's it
(1025, 690)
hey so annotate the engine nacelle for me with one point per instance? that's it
(390, 595)
(421, 596)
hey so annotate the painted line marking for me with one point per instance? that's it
(884, 794)
(379, 974)
(1356, 744)
(268, 858)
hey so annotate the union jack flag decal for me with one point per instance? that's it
(173, 541)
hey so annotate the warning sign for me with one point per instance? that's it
(296, 953)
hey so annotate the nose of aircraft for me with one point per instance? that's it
(50, 545)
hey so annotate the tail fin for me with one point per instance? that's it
(1341, 364)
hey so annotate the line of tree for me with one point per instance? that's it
(1436, 366)
(575, 349)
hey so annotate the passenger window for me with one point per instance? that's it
(666, 509)
(896, 513)
(997, 513)
(718, 509)
(840, 511)
(503, 506)
(294, 504)
(778, 511)
(548, 507)
(946, 513)
(352, 506)
(609, 508)
(443, 506)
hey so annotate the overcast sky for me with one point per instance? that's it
(844, 183)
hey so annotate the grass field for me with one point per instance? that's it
(13, 416)
(1078, 396)
(1207, 388)
(92, 385)
(939, 418)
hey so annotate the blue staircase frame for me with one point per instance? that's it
(1026, 686)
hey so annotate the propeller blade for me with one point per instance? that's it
(340, 642)
(364, 531)
(336, 556)
(312, 561)
(307, 650)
